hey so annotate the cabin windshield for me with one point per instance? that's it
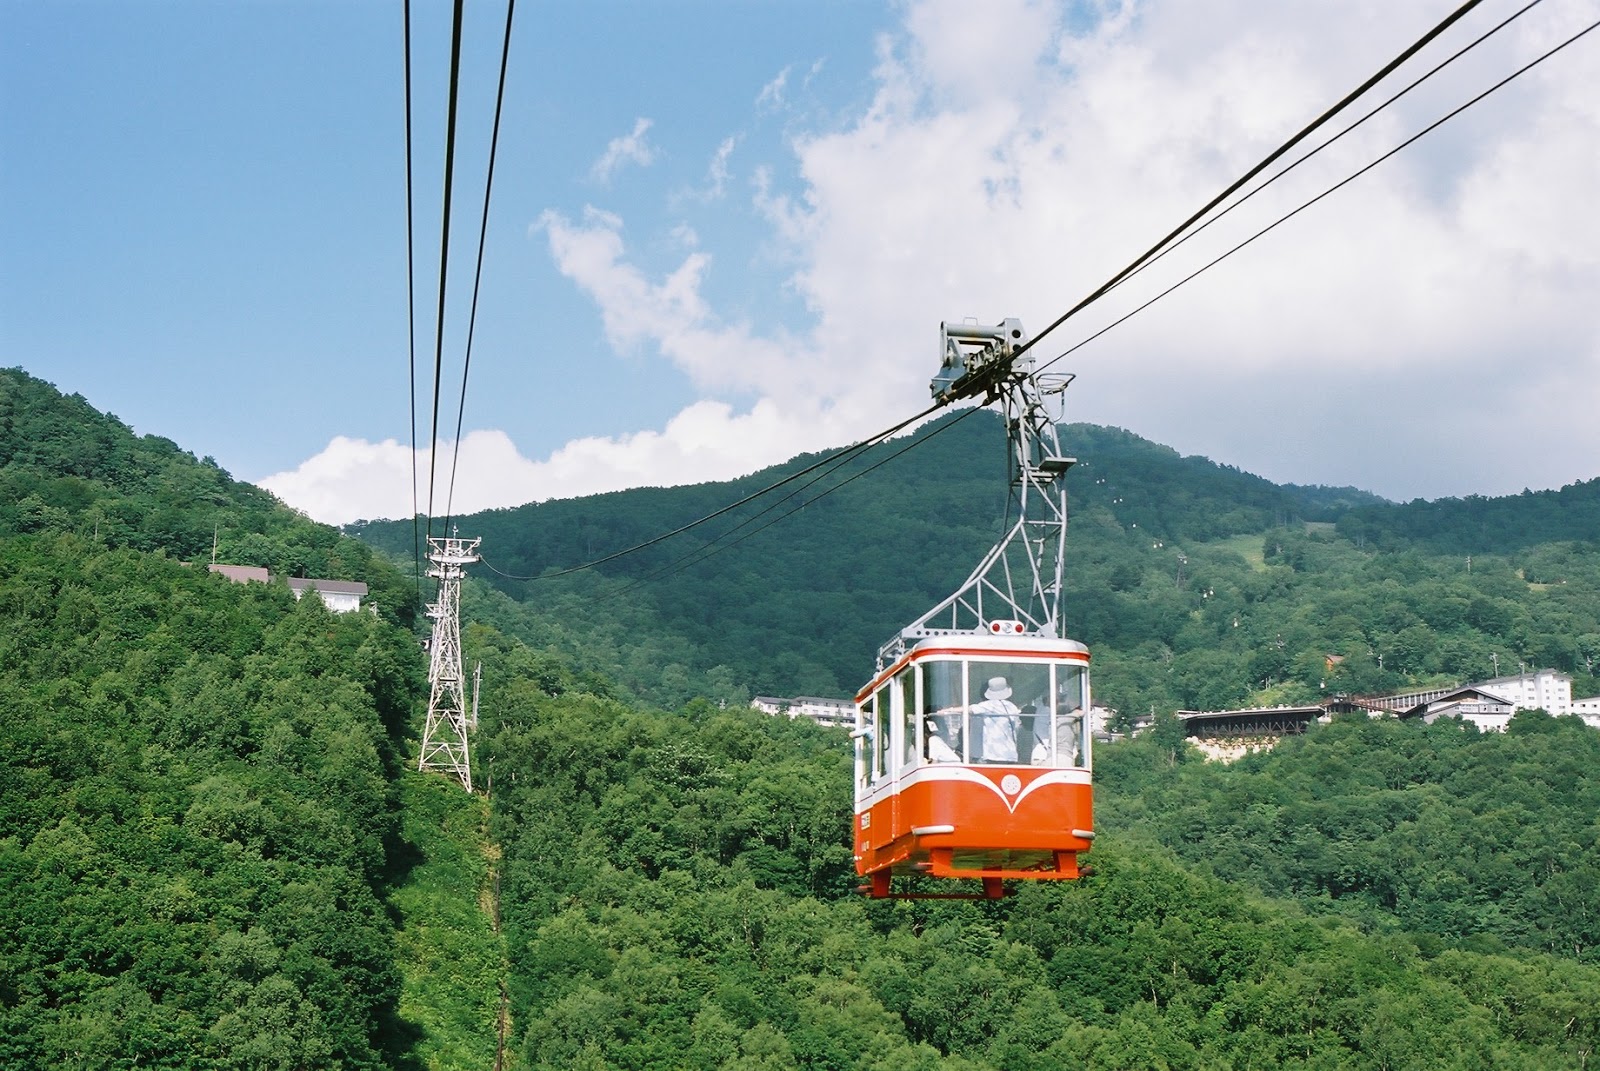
(1058, 733)
(989, 712)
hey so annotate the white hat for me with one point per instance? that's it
(998, 689)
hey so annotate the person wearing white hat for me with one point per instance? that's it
(998, 720)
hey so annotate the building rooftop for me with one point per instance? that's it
(242, 574)
(331, 587)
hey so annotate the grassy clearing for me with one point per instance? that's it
(450, 956)
(1247, 547)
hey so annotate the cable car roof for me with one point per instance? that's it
(984, 645)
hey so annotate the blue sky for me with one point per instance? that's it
(726, 232)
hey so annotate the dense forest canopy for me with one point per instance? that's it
(65, 467)
(214, 853)
(676, 895)
(1196, 585)
(196, 807)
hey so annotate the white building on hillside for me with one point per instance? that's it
(1489, 712)
(831, 712)
(340, 596)
(1490, 705)
(1548, 690)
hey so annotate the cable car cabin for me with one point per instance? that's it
(972, 760)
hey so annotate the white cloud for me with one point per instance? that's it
(353, 479)
(1428, 330)
(771, 96)
(671, 314)
(717, 173)
(685, 236)
(715, 186)
(631, 148)
(958, 192)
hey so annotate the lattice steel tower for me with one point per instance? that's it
(444, 739)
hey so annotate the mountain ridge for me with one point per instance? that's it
(1168, 556)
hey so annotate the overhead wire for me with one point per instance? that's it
(411, 313)
(1441, 65)
(712, 548)
(1154, 253)
(842, 453)
(477, 278)
(1240, 182)
(1330, 190)
(1094, 296)
(444, 250)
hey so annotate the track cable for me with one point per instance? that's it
(411, 312)
(1530, 65)
(1169, 242)
(1486, 35)
(444, 249)
(477, 278)
(1305, 132)
(838, 456)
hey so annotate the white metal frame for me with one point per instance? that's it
(1016, 588)
(444, 737)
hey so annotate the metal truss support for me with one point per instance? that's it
(444, 737)
(1016, 588)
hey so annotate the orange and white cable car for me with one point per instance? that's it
(973, 741)
(976, 762)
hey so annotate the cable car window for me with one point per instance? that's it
(942, 691)
(881, 723)
(905, 694)
(1058, 733)
(1002, 699)
(1072, 705)
(863, 741)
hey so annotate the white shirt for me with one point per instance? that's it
(997, 722)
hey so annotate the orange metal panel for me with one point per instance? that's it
(1004, 821)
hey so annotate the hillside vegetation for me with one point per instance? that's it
(65, 467)
(198, 828)
(213, 852)
(195, 809)
(678, 890)
(1197, 586)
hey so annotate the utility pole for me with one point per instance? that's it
(444, 738)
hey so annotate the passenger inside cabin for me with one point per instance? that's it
(1069, 730)
(997, 720)
(939, 748)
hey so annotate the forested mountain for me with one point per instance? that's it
(1482, 840)
(1195, 584)
(1472, 524)
(213, 853)
(195, 807)
(675, 891)
(196, 799)
(65, 467)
